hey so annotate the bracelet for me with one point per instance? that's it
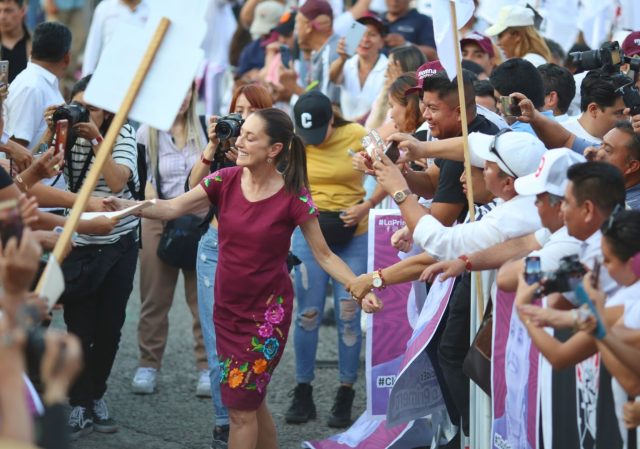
(467, 263)
(204, 160)
(96, 141)
(384, 284)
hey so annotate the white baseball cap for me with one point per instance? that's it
(551, 175)
(511, 16)
(516, 153)
(266, 17)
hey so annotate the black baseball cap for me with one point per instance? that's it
(312, 113)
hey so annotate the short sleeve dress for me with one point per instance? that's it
(253, 290)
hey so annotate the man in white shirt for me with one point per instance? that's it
(106, 17)
(600, 104)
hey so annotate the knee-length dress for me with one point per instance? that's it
(253, 290)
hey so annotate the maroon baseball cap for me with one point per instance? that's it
(426, 70)
(631, 44)
(483, 41)
(369, 18)
(314, 8)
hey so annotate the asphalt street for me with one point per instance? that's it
(174, 418)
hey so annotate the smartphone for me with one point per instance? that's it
(510, 107)
(532, 270)
(62, 129)
(353, 37)
(10, 221)
(4, 73)
(595, 274)
(392, 151)
(285, 55)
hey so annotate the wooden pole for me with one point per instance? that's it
(465, 140)
(109, 140)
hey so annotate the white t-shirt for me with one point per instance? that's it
(357, 100)
(106, 18)
(554, 247)
(535, 59)
(31, 92)
(573, 125)
(511, 219)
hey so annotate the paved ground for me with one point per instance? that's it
(174, 418)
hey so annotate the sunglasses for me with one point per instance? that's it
(494, 150)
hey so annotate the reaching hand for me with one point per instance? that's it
(21, 157)
(526, 106)
(402, 240)
(28, 207)
(355, 214)
(19, 262)
(47, 165)
(408, 145)
(97, 226)
(448, 268)
(360, 286)
(388, 174)
(371, 303)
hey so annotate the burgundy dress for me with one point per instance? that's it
(253, 291)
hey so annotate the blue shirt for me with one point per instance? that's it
(633, 197)
(252, 57)
(66, 5)
(414, 27)
(526, 127)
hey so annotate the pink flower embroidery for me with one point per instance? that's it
(265, 330)
(274, 314)
(262, 381)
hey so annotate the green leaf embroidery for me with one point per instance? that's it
(304, 198)
(251, 387)
(207, 182)
(312, 210)
(280, 299)
(243, 368)
(217, 178)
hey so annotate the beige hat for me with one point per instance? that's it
(511, 16)
(266, 17)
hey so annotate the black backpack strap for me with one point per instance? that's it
(74, 186)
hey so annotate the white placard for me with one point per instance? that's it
(52, 282)
(120, 214)
(171, 73)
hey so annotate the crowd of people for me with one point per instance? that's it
(263, 188)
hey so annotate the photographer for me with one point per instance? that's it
(169, 157)
(99, 271)
(246, 100)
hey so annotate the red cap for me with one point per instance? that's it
(483, 41)
(369, 18)
(426, 70)
(314, 8)
(631, 45)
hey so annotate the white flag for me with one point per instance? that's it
(443, 31)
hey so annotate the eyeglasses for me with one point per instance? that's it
(612, 219)
(494, 150)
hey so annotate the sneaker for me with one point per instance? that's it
(80, 422)
(102, 422)
(203, 390)
(341, 410)
(302, 408)
(144, 382)
(220, 439)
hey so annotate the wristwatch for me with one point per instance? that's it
(378, 280)
(401, 195)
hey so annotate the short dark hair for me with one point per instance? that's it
(623, 233)
(559, 80)
(600, 88)
(473, 67)
(519, 75)
(598, 182)
(440, 84)
(408, 57)
(483, 88)
(633, 144)
(20, 3)
(556, 50)
(51, 42)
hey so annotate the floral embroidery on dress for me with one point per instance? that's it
(307, 199)
(257, 375)
(207, 180)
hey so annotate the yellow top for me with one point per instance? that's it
(335, 185)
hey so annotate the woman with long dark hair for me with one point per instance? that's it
(258, 210)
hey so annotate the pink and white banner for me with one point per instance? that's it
(515, 379)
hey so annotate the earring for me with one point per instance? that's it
(269, 160)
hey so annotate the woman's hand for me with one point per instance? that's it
(114, 204)
(388, 174)
(449, 269)
(87, 130)
(47, 165)
(408, 145)
(361, 161)
(28, 207)
(631, 414)
(48, 116)
(360, 286)
(341, 49)
(232, 154)
(98, 226)
(525, 293)
(596, 294)
(371, 303)
(211, 131)
(355, 214)
(402, 240)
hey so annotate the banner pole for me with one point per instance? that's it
(109, 140)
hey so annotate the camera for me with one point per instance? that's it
(74, 113)
(229, 126)
(609, 58)
(570, 271)
(631, 97)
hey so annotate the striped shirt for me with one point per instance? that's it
(125, 152)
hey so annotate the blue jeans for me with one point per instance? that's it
(311, 291)
(206, 272)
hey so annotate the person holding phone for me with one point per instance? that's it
(362, 74)
(246, 100)
(259, 207)
(99, 271)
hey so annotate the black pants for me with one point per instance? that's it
(453, 348)
(99, 281)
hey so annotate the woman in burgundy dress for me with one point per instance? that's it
(259, 208)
